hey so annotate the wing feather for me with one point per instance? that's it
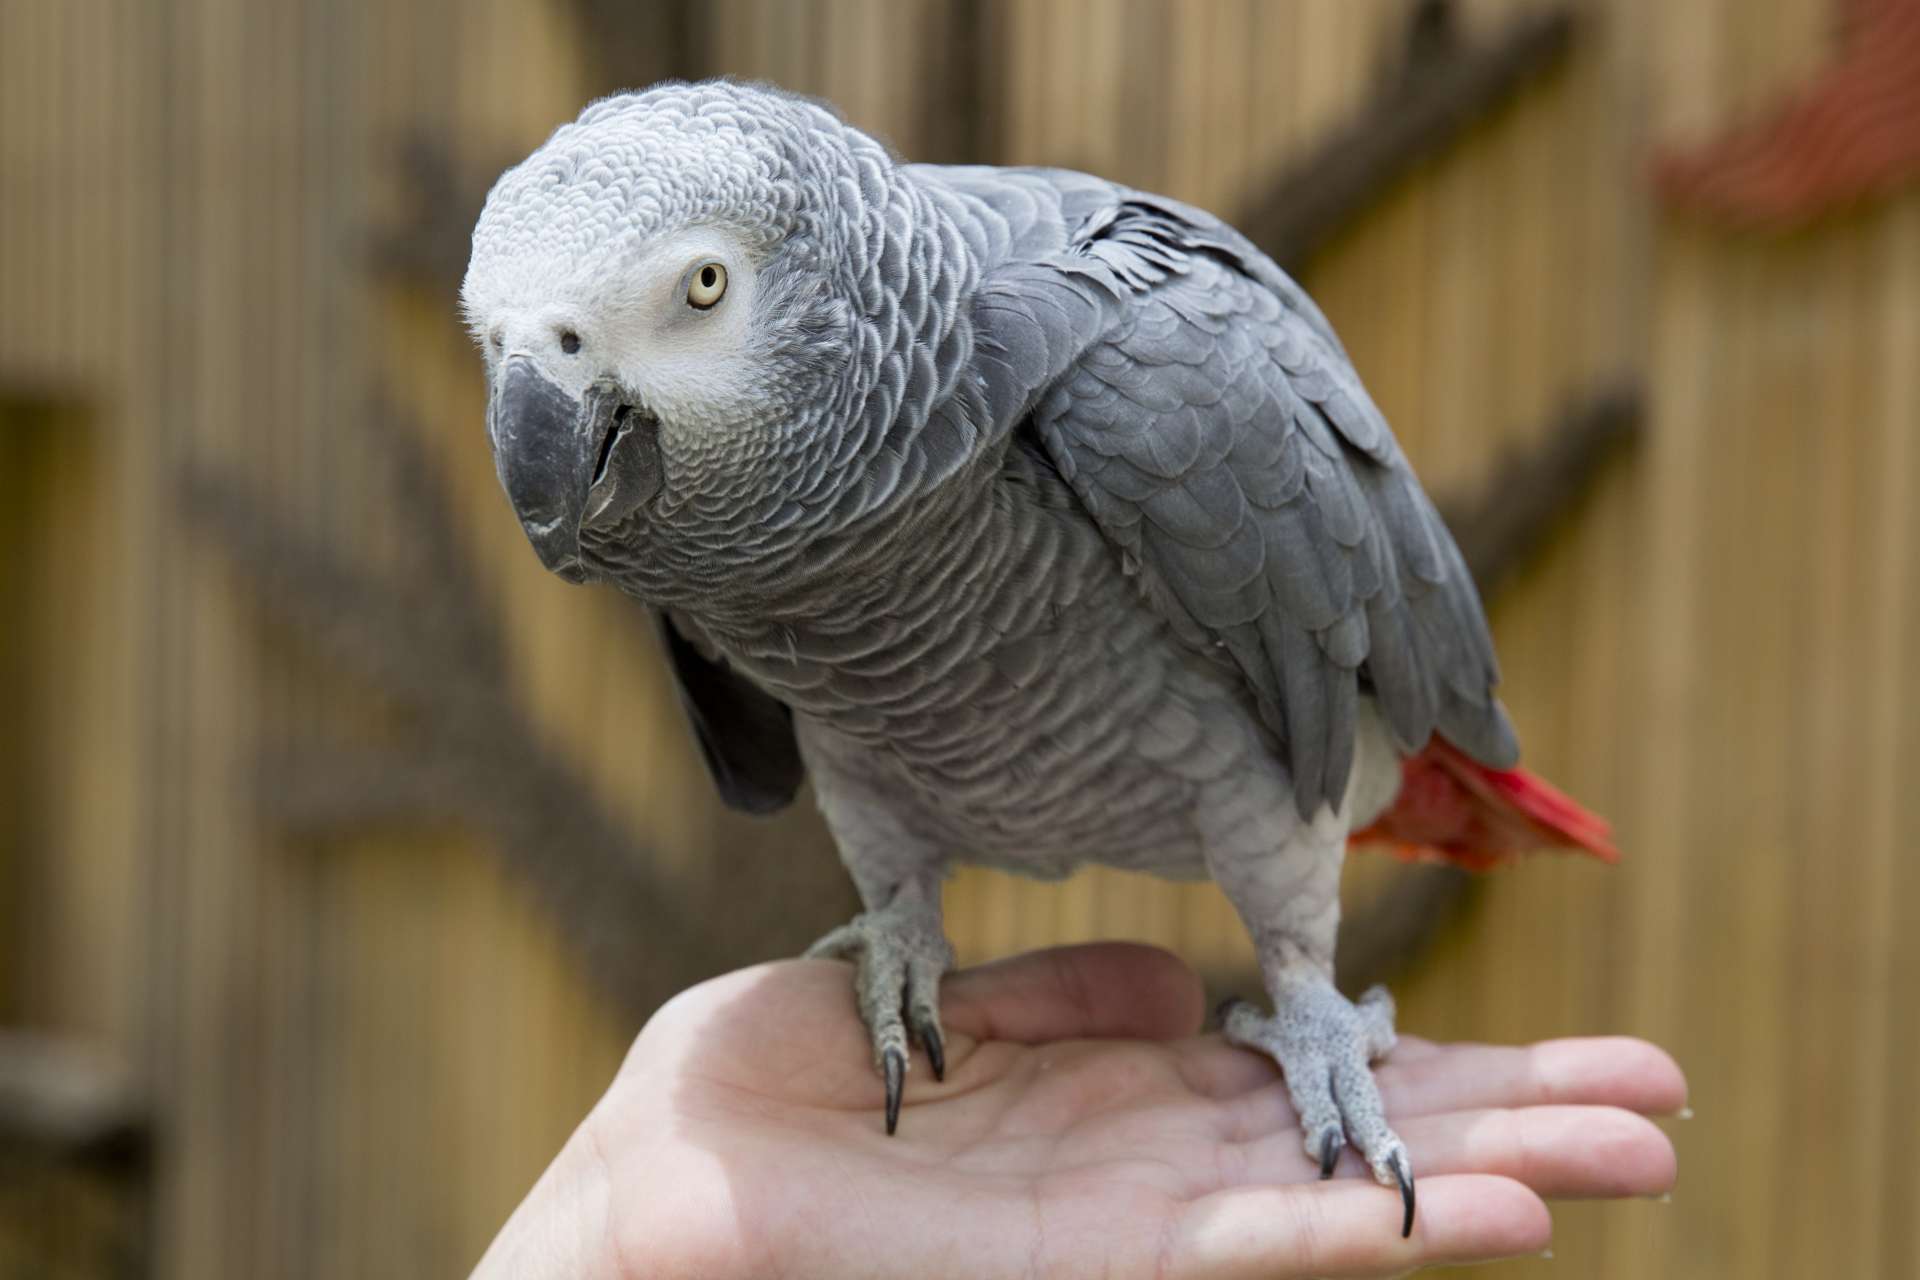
(745, 734)
(1205, 414)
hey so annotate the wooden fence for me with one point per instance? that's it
(224, 258)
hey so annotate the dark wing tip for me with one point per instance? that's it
(745, 733)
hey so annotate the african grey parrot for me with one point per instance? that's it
(1036, 520)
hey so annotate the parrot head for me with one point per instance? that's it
(664, 297)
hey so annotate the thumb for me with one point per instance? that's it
(1101, 990)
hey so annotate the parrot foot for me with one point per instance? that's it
(901, 956)
(1325, 1045)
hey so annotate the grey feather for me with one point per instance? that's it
(1176, 373)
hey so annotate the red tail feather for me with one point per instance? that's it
(1451, 809)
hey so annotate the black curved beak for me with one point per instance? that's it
(566, 463)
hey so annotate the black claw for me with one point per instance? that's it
(936, 1052)
(896, 1068)
(1225, 1007)
(1406, 1194)
(1329, 1153)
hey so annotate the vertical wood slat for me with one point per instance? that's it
(1892, 737)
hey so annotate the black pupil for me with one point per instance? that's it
(707, 277)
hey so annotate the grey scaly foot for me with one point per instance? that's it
(901, 955)
(1325, 1044)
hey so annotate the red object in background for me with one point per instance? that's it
(1451, 809)
(1851, 135)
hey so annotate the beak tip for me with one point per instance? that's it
(534, 426)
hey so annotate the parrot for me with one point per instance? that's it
(1033, 520)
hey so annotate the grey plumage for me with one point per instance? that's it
(1052, 512)
(745, 736)
(1201, 408)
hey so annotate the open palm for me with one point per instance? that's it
(1083, 1128)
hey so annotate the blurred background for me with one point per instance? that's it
(343, 850)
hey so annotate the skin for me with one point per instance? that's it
(1084, 1128)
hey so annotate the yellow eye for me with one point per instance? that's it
(708, 287)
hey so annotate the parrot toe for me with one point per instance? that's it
(1330, 1145)
(929, 1035)
(1325, 1046)
(896, 1073)
(899, 957)
(1404, 1176)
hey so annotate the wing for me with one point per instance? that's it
(745, 733)
(1202, 409)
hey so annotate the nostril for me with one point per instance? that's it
(569, 342)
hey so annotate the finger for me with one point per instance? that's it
(1095, 991)
(1613, 1071)
(1413, 1049)
(1421, 1078)
(1557, 1151)
(1352, 1228)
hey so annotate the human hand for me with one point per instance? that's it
(1083, 1129)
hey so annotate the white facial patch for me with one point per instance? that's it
(690, 366)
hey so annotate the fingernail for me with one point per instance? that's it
(1686, 1113)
